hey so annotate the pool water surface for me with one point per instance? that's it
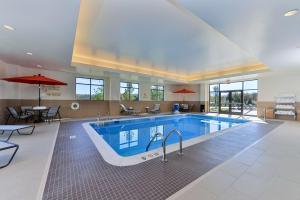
(129, 137)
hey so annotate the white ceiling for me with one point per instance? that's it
(257, 26)
(183, 36)
(45, 28)
(153, 34)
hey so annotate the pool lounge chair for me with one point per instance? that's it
(15, 128)
(155, 109)
(4, 145)
(128, 111)
(16, 116)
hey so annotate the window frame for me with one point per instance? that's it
(219, 92)
(130, 94)
(90, 88)
(158, 90)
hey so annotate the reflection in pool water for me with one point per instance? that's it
(131, 137)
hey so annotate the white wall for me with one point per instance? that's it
(274, 84)
(112, 86)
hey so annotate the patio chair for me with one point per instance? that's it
(184, 107)
(4, 145)
(155, 109)
(16, 116)
(51, 114)
(15, 128)
(128, 111)
(27, 110)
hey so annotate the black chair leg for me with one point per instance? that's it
(33, 127)
(13, 155)
(7, 119)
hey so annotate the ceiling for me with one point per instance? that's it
(183, 40)
(44, 28)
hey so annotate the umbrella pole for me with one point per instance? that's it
(39, 94)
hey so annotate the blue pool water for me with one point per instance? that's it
(131, 137)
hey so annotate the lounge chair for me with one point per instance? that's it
(15, 128)
(4, 145)
(155, 109)
(51, 114)
(128, 111)
(16, 116)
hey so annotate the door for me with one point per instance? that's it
(224, 106)
(236, 102)
(231, 102)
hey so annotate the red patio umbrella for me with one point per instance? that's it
(35, 79)
(184, 91)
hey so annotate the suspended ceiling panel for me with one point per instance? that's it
(157, 38)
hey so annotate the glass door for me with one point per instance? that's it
(224, 102)
(231, 102)
(236, 102)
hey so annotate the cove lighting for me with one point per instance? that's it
(8, 27)
(291, 13)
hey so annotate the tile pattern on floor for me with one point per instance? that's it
(78, 171)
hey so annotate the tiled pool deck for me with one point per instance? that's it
(78, 171)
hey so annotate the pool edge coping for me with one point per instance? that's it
(113, 158)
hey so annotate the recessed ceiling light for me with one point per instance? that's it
(29, 53)
(8, 27)
(39, 66)
(291, 13)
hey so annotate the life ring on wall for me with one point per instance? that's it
(75, 106)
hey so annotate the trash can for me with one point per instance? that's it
(202, 108)
(176, 108)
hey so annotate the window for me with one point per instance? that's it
(129, 91)
(89, 89)
(231, 86)
(214, 98)
(157, 93)
(250, 97)
(241, 95)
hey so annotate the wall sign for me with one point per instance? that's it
(51, 90)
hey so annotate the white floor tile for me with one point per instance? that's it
(233, 195)
(217, 182)
(234, 168)
(251, 185)
(281, 189)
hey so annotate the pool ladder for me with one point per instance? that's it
(164, 143)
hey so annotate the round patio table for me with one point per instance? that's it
(38, 110)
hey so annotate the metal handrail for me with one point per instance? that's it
(164, 158)
(152, 139)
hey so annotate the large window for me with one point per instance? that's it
(250, 97)
(89, 89)
(129, 91)
(232, 98)
(157, 93)
(214, 97)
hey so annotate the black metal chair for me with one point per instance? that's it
(4, 145)
(16, 116)
(27, 110)
(51, 114)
